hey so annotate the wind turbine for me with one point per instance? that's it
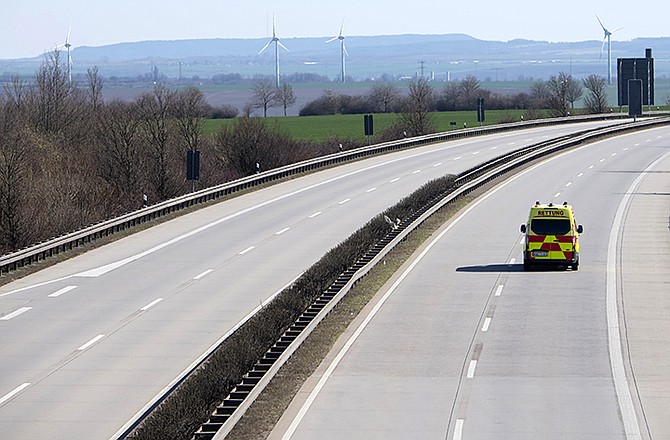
(607, 39)
(67, 47)
(343, 49)
(275, 40)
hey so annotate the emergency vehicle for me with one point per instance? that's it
(552, 236)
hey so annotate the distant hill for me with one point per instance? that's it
(449, 56)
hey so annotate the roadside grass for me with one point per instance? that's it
(267, 409)
(334, 127)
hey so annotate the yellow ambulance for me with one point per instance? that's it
(552, 236)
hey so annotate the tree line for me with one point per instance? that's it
(69, 159)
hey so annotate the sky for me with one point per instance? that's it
(30, 28)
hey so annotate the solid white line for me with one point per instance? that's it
(205, 273)
(316, 214)
(151, 304)
(626, 406)
(250, 248)
(15, 313)
(394, 180)
(523, 239)
(499, 290)
(416, 172)
(345, 201)
(487, 324)
(458, 429)
(471, 369)
(286, 229)
(511, 261)
(13, 393)
(91, 342)
(371, 189)
(62, 291)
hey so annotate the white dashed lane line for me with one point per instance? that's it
(416, 172)
(342, 202)
(250, 248)
(499, 290)
(280, 232)
(458, 158)
(62, 291)
(395, 180)
(13, 393)
(487, 324)
(90, 343)
(438, 164)
(151, 304)
(316, 214)
(16, 313)
(371, 189)
(203, 274)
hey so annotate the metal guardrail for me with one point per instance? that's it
(67, 242)
(231, 410)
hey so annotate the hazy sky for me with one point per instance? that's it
(31, 27)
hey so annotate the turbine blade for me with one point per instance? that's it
(332, 39)
(265, 47)
(67, 40)
(282, 46)
(601, 23)
(342, 27)
(344, 48)
(616, 30)
(602, 48)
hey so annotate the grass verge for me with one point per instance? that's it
(260, 419)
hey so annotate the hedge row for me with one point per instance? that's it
(182, 413)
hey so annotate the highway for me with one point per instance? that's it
(86, 344)
(463, 344)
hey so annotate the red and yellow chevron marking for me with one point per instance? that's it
(561, 247)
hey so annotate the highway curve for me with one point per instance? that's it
(85, 345)
(463, 344)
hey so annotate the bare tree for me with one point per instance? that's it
(155, 108)
(451, 95)
(189, 109)
(120, 158)
(574, 92)
(470, 87)
(596, 98)
(50, 94)
(95, 84)
(417, 108)
(539, 95)
(264, 95)
(284, 96)
(558, 94)
(383, 97)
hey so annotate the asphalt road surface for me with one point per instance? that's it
(463, 344)
(86, 344)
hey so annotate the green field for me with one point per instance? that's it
(350, 127)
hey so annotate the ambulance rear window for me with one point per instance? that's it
(543, 226)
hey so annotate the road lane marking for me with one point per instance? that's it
(16, 313)
(416, 172)
(90, 343)
(591, 166)
(342, 202)
(321, 383)
(602, 160)
(316, 214)
(621, 386)
(459, 157)
(580, 174)
(394, 180)
(458, 429)
(487, 324)
(625, 149)
(203, 274)
(476, 152)
(286, 229)
(471, 369)
(613, 154)
(568, 184)
(557, 194)
(523, 239)
(494, 148)
(151, 304)
(250, 248)
(438, 164)
(7, 397)
(511, 261)
(62, 291)
(371, 189)
(499, 290)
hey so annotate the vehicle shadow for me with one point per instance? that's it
(491, 268)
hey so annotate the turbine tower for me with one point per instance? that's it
(275, 40)
(607, 39)
(67, 47)
(343, 50)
